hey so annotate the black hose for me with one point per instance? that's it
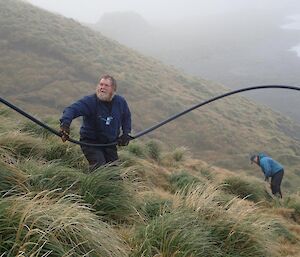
(209, 101)
(146, 131)
(47, 127)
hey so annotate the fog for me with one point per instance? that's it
(237, 43)
(89, 11)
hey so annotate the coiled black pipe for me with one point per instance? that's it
(146, 131)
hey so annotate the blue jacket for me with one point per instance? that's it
(269, 166)
(101, 123)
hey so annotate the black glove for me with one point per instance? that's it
(267, 179)
(123, 140)
(64, 132)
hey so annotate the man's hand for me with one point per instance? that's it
(64, 132)
(267, 179)
(123, 140)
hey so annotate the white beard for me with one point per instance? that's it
(105, 97)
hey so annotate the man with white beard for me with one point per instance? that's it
(104, 114)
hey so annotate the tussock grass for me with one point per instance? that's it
(148, 173)
(22, 144)
(71, 155)
(51, 176)
(206, 173)
(109, 193)
(284, 233)
(39, 225)
(154, 150)
(175, 234)
(182, 181)
(239, 228)
(5, 111)
(293, 203)
(12, 180)
(175, 158)
(51, 207)
(30, 127)
(179, 154)
(128, 159)
(137, 149)
(246, 188)
(6, 156)
(154, 205)
(199, 225)
(105, 189)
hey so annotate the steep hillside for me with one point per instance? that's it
(152, 203)
(48, 61)
(237, 49)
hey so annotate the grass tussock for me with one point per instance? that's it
(30, 127)
(243, 187)
(21, 144)
(71, 155)
(160, 204)
(155, 205)
(12, 180)
(154, 150)
(52, 175)
(109, 193)
(39, 225)
(200, 226)
(182, 181)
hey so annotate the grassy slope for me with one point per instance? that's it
(48, 61)
(166, 204)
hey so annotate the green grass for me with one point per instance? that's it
(39, 225)
(173, 234)
(246, 188)
(68, 153)
(182, 181)
(154, 206)
(30, 127)
(51, 176)
(109, 194)
(21, 144)
(199, 226)
(136, 149)
(154, 150)
(12, 180)
(39, 66)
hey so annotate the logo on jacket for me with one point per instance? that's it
(107, 120)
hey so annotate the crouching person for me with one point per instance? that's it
(270, 168)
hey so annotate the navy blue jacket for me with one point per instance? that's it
(100, 124)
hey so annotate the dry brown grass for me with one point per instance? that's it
(287, 249)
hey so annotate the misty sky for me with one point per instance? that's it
(158, 10)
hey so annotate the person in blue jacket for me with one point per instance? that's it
(104, 114)
(270, 168)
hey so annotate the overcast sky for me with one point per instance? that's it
(158, 10)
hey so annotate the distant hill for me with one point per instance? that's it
(48, 61)
(137, 28)
(236, 49)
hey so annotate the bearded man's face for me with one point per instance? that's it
(105, 90)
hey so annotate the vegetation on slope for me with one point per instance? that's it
(48, 61)
(154, 203)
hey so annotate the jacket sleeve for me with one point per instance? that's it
(126, 119)
(266, 167)
(79, 108)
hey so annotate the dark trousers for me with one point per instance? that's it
(98, 156)
(276, 182)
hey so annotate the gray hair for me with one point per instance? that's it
(111, 78)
